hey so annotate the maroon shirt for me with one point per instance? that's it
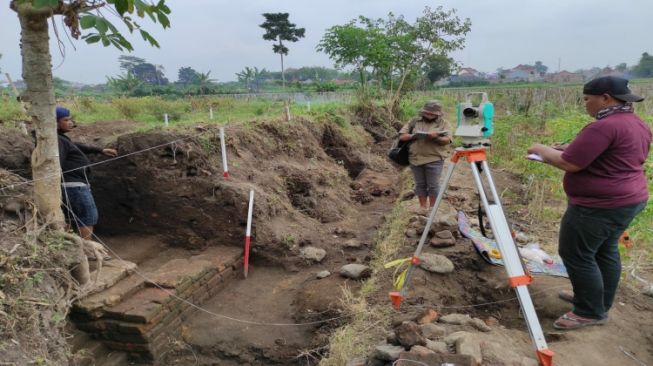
(611, 154)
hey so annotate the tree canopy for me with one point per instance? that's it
(644, 68)
(279, 29)
(392, 48)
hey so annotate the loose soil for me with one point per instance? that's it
(314, 186)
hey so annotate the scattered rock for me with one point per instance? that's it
(448, 220)
(387, 352)
(521, 238)
(427, 316)
(391, 338)
(411, 359)
(420, 219)
(480, 325)
(312, 253)
(491, 321)
(356, 362)
(323, 274)
(442, 243)
(421, 351)
(444, 234)
(435, 263)
(433, 331)
(411, 233)
(352, 243)
(458, 319)
(404, 317)
(498, 354)
(410, 334)
(344, 233)
(437, 346)
(355, 271)
(453, 337)
(467, 344)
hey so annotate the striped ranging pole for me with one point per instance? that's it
(248, 233)
(224, 154)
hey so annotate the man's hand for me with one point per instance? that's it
(110, 152)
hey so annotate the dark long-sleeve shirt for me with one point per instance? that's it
(72, 155)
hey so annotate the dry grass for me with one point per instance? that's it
(36, 289)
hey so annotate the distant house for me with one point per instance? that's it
(564, 77)
(467, 74)
(608, 71)
(522, 73)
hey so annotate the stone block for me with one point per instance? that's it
(410, 359)
(141, 307)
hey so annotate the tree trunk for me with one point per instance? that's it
(40, 102)
(283, 75)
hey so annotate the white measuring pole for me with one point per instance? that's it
(309, 105)
(165, 119)
(248, 232)
(211, 113)
(224, 154)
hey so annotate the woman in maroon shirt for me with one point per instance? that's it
(606, 188)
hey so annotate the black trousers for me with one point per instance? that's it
(588, 246)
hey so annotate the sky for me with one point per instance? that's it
(223, 36)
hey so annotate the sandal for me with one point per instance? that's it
(571, 321)
(566, 295)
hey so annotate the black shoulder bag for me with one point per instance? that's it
(399, 150)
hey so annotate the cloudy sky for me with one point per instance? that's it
(223, 36)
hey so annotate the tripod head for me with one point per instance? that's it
(475, 121)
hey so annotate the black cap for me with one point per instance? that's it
(614, 86)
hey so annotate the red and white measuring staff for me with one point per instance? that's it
(224, 154)
(248, 233)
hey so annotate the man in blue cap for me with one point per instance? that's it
(606, 188)
(80, 206)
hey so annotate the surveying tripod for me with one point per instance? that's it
(518, 278)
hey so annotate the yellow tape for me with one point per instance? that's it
(398, 279)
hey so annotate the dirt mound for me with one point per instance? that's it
(300, 171)
(15, 152)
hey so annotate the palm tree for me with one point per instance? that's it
(204, 80)
(126, 83)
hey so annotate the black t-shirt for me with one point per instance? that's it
(72, 156)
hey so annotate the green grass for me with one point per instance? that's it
(514, 134)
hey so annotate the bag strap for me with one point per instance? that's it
(412, 125)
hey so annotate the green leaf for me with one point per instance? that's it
(121, 6)
(101, 25)
(39, 4)
(92, 38)
(87, 21)
(165, 22)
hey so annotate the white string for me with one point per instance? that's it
(101, 162)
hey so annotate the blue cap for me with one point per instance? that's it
(62, 113)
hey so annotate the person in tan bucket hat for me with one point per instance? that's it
(429, 133)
